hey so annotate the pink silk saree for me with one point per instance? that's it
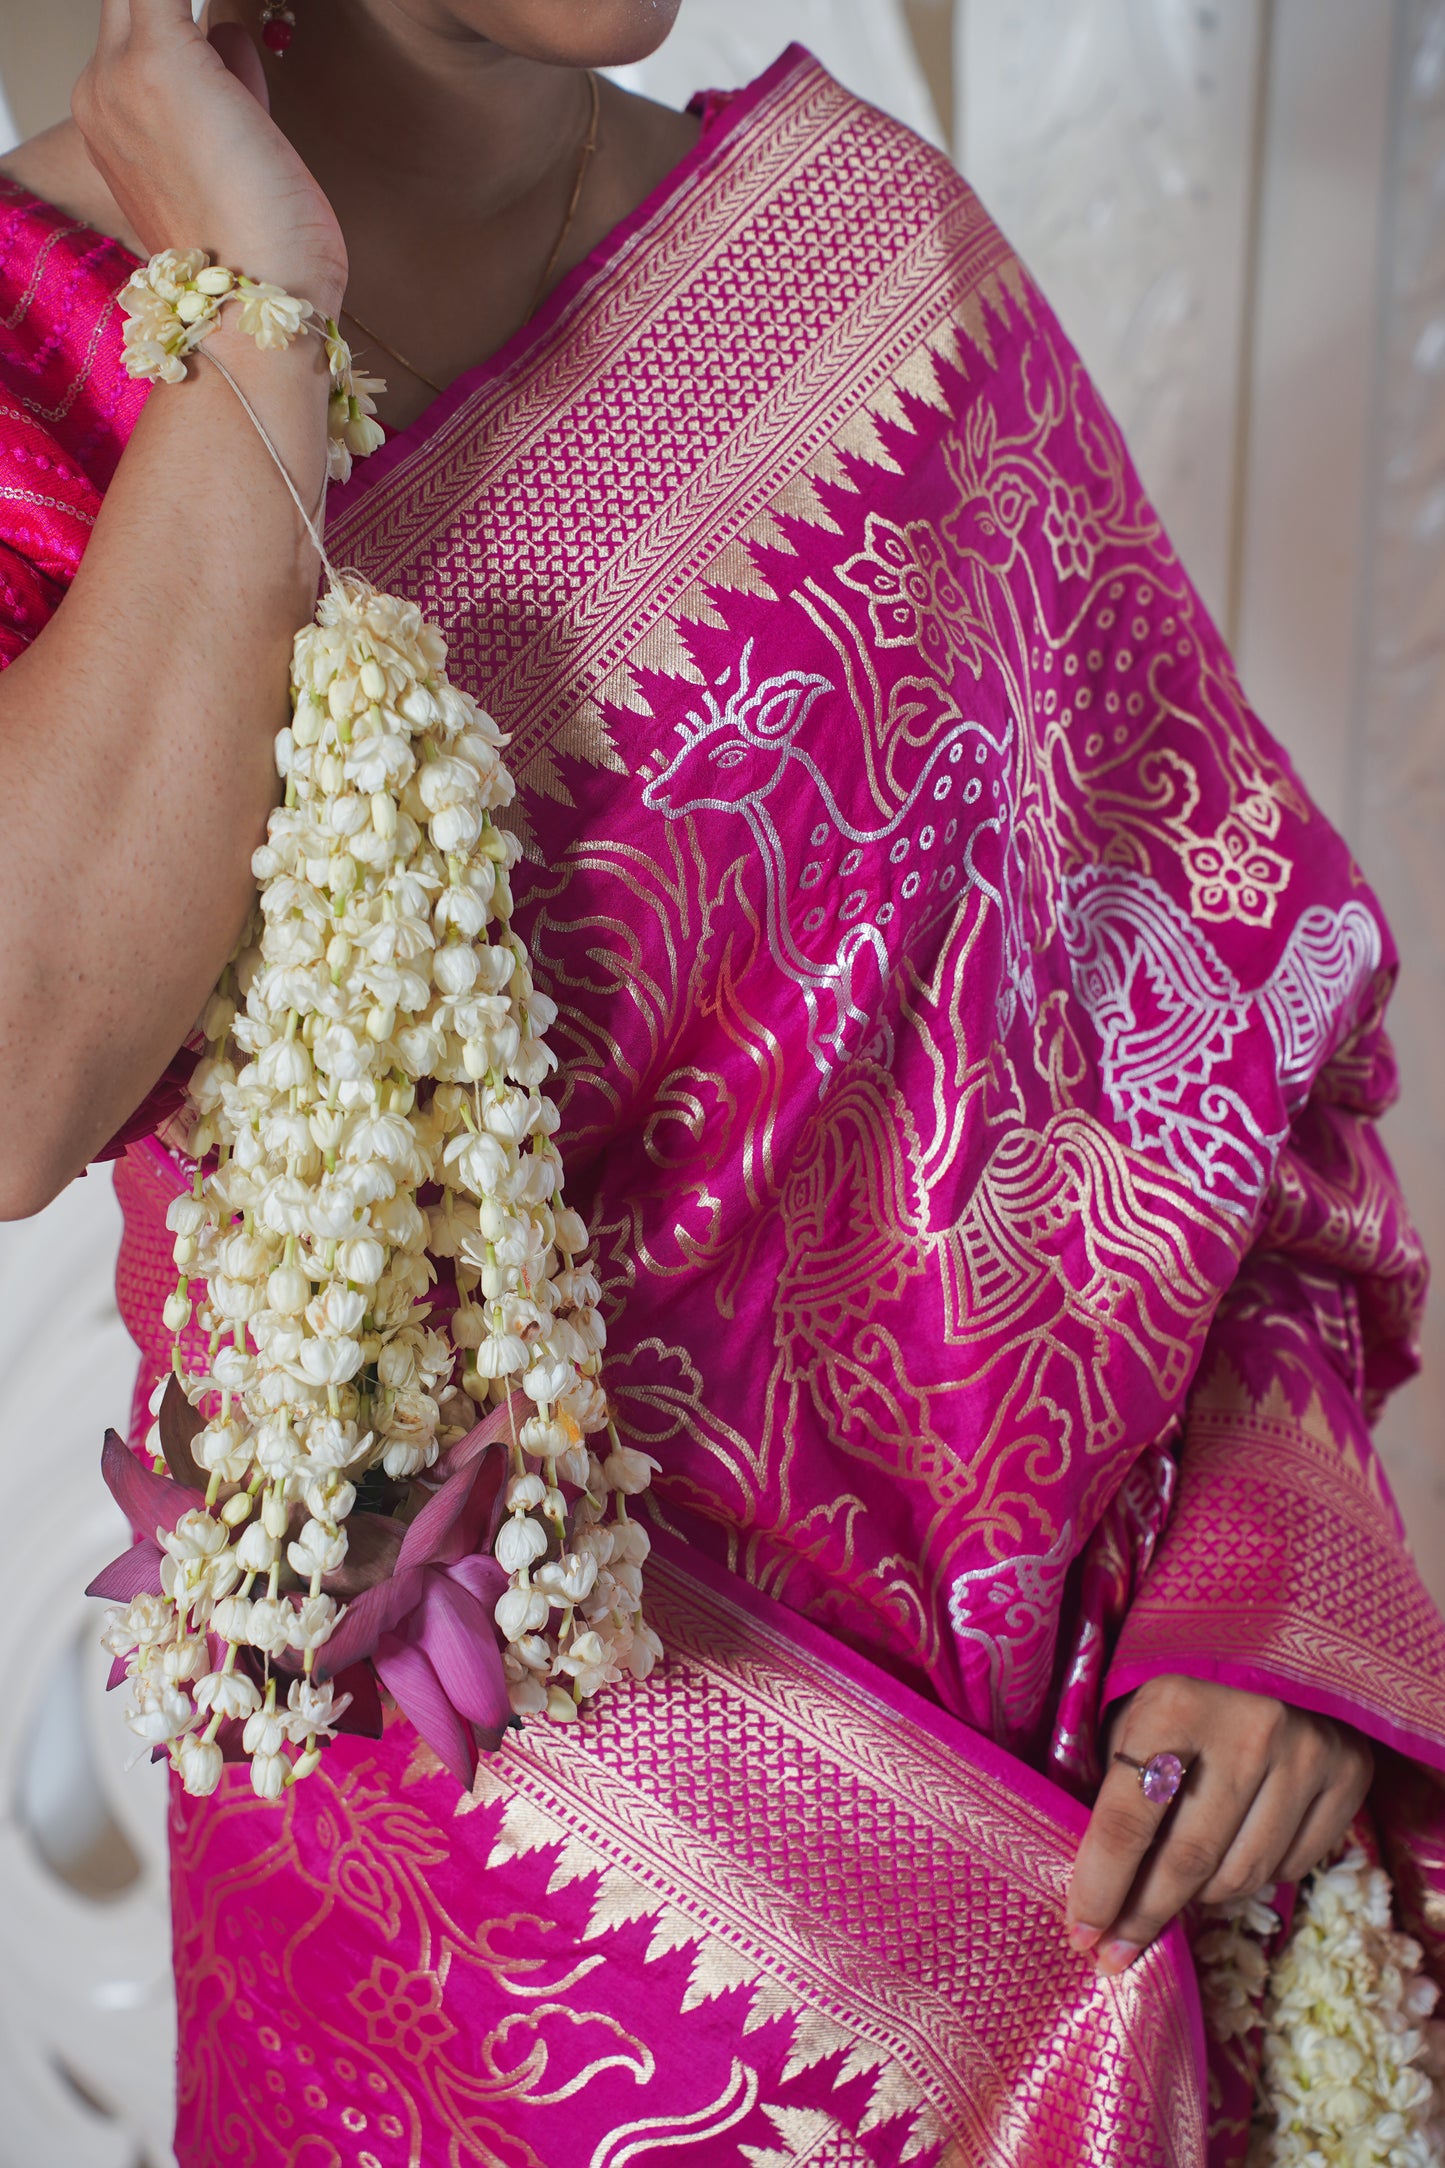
(971, 1042)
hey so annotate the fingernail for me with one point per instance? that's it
(1117, 1957)
(1083, 1938)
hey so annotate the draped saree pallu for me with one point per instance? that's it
(970, 1043)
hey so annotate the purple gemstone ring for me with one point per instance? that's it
(1159, 1778)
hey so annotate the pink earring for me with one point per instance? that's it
(278, 26)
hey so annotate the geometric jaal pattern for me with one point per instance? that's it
(1283, 1562)
(896, 1896)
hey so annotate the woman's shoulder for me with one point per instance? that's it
(851, 184)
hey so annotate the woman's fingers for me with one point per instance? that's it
(1270, 1792)
(114, 25)
(1327, 1823)
(241, 59)
(1255, 1856)
(1136, 1887)
(1141, 1862)
(1121, 1829)
(1319, 1778)
(123, 21)
(160, 15)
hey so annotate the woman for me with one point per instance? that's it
(970, 1045)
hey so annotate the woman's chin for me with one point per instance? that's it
(571, 33)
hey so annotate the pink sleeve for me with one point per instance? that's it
(67, 409)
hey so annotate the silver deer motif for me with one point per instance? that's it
(733, 757)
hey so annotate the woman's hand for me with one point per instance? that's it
(178, 126)
(1270, 1791)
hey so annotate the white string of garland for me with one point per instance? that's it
(377, 1031)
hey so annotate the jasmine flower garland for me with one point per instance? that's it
(172, 305)
(1346, 2033)
(377, 1034)
(1347, 2043)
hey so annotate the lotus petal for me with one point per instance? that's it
(500, 1423)
(148, 1501)
(137, 1572)
(364, 1717)
(450, 1522)
(460, 1639)
(179, 1426)
(407, 1675)
(481, 1577)
(376, 1611)
(373, 1542)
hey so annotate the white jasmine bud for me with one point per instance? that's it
(568, 1579)
(257, 1550)
(268, 1775)
(317, 1549)
(227, 1693)
(330, 1501)
(288, 1290)
(519, 1541)
(200, 1764)
(362, 1260)
(231, 1619)
(520, 1611)
(275, 1514)
(313, 1623)
(628, 1470)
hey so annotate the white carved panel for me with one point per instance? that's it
(1113, 142)
(1305, 511)
(86, 2024)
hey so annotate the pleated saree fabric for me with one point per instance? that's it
(970, 1045)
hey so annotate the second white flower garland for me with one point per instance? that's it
(378, 1032)
(1344, 2009)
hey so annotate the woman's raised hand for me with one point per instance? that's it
(179, 127)
(1270, 1792)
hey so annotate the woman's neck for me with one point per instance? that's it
(451, 166)
(448, 126)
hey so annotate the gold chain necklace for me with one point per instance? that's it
(584, 160)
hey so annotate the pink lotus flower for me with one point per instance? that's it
(420, 1595)
(428, 1628)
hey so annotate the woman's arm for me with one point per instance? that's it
(136, 734)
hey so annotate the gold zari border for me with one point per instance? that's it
(902, 1903)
